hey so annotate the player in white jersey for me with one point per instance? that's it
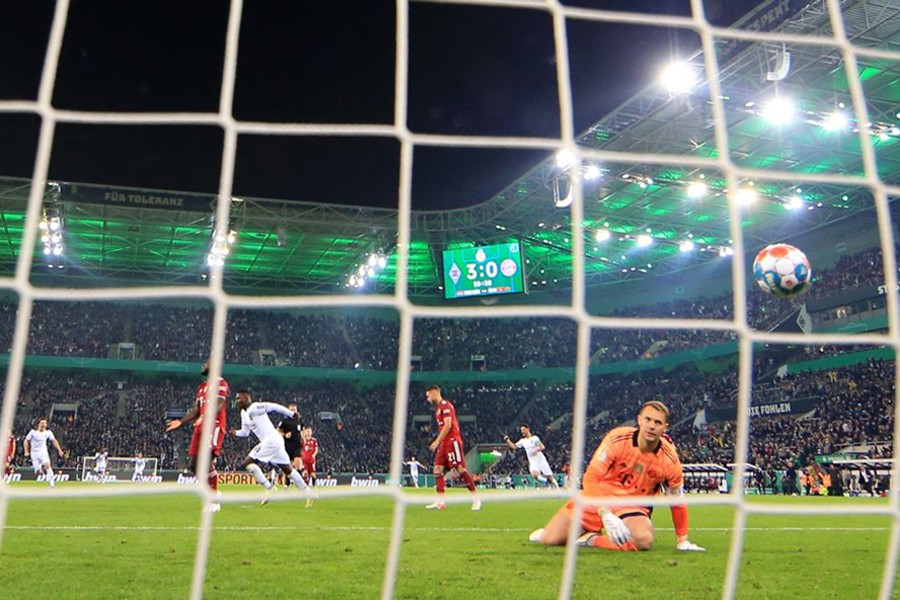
(270, 449)
(414, 466)
(140, 463)
(36, 446)
(534, 450)
(100, 462)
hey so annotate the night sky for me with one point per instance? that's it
(473, 70)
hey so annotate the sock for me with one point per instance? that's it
(297, 478)
(601, 541)
(257, 473)
(312, 481)
(213, 479)
(470, 483)
(49, 473)
(440, 485)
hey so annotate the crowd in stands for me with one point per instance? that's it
(125, 415)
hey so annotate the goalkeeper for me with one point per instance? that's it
(630, 461)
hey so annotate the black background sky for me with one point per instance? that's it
(473, 70)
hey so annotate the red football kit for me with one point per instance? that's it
(218, 434)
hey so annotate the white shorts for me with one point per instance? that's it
(540, 465)
(271, 450)
(38, 460)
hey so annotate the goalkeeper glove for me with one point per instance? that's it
(687, 546)
(615, 528)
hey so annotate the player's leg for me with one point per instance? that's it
(456, 459)
(439, 483)
(297, 464)
(48, 471)
(217, 441)
(250, 464)
(291, 474)
(642, 532)
(638, 523)
(281, 459)
(556, 531)
(550, 478)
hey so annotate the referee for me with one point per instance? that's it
(290, 429)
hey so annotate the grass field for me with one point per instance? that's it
(143, 547)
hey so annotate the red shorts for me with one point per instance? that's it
(215, 443)
(309, 466)
(450, 455)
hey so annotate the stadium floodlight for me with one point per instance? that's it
(697, 189)
(591, 172)
(778, 110)
(602, 235)
(367, 269)
(644, 240)
(746, 196)
(221, 248)
(565, 158)
(686, 246)
(678, 78)
(836, 121)
(795, 202)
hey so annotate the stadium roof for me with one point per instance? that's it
(116, 236)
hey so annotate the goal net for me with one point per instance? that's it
(120, 469)
(635, 232)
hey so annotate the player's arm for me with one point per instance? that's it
(603, 459)
(509, 443)
(445, 430)
(273, 407)
(316, 451)
(26, 448)
(58, 447)
(188, 417)
(680, 521)
(244, 431)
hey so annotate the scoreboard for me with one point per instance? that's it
(484, 270)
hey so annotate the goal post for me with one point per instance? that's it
(121, 469)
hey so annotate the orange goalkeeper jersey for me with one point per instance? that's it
(619, 468)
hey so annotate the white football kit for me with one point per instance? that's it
(139, 464)
(39, 447)
(537, 462)
(100, 462)
(255, 419)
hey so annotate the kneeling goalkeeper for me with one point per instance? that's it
(630, 461)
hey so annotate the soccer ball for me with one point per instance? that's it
(782, 270)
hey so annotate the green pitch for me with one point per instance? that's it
(143, 547)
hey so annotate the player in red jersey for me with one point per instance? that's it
(215, 442)
(630, 461)
(448, 448)
(308, 453)
(10, 454)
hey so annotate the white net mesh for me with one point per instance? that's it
(721, 159)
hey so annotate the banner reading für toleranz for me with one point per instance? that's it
(138, 198)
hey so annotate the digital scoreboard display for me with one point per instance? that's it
(484, 271)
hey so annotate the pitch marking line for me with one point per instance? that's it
(355, 528)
